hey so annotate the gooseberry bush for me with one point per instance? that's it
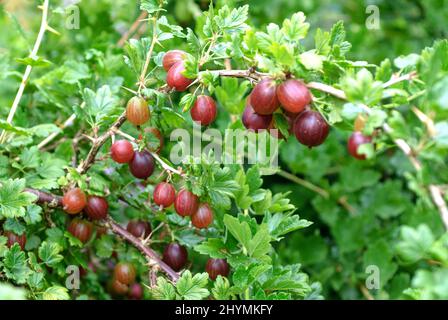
(92, 206)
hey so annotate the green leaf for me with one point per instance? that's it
(14, 225)
(239, 230)
(192, 288)
(49, 253)
(415, 243)
(164, 290)
(295, 28)
(99, 105)
(15, 265)
(104, 246)
(221, 289)
(260, 245)
(187, 101)
(55, 293)
(13, 199)
(232, 21)
(212, 247)
(151, 6)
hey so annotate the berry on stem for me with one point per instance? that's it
(186, 203)
(14, 238)
(97, 208)
(204, 110)
(164, 194)
(172, 57)
(264, 97)
(74, 201)
(254, 121)
(203, 217)
(215, 267)
(135, 291)
(139, 228)
(310, 128)
(175, 256)
(124, 272)
(118, 288)
(122, 151)
(80, 229)
(293, 95)
(357, 139)
(142, 165)
(175, 79)
(137, 111)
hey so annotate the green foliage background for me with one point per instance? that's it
(392, 222)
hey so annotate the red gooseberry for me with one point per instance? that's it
(175, 256)
(215, 267)
(204, 110)
(264, 97)
(293, 95)
(74, 201)
(124, 272)
(142, 165)
(186, 203)
(310, 128)
(97, 208)
(254, 121)
(14, 238)
(122, 151)
(80, 229)
(203, 217)
(175, 79)
(357, 139)
(164, 194)
(137, 111)
(139, 228)
(172, 57)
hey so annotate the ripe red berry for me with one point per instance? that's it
(215, 267)
(172, 57)
(254, 121)
(310, 128)
(155, 133)
(14, 238)
(137, 111)
(164, 194)
(124, 272)
(118, 288)
(293, 95)
(122, 151)
(80, 229)
(175, 256)
(139, 228)
(264, 97)
(135, 291)
(175, 79)
(74, 201)
(97, 208)
(186, 203)
(203, 217)
(204, 110)
(355, 140)
(142, 165)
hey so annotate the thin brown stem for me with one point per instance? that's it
(98, 142)
(52, 200)
(134, 27)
